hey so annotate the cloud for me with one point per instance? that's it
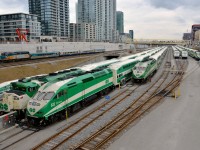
(13, 6)
(174, 4)
(150, 19)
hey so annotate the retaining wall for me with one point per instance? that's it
(63, 46)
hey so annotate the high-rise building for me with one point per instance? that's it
(85, 32)
(72, 32)
(186, 36)
(28, 24)
(195, 28)
(106, 20)
(131, 32)
(86, 11)
(53, 15)
(103, 14)
(120, 22)
(197, 36)
(82, 32)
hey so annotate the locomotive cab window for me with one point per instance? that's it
(31, 89)
(60, 94)
(16, 98)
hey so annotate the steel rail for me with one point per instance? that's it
(79, 120)
(19, 140)
(117, 119)
(67, 138)
(41, 60)
(129, 120)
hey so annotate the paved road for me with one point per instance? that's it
(173, 125)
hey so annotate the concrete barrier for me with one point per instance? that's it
(63, 46)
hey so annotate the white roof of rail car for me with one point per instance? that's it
(55, 86)
(192, 49)
(130, 56)
(155, 56)
(138, 54)
(181, 49)
(90, 67)
(120, 64)
(39, 75)
(174, 48)
(6, 83)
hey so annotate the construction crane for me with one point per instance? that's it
(22, 34)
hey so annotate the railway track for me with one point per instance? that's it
(130, 115)
(36, 61)
(75, 128)
(17, 137)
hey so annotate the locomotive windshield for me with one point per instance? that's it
(43, 96)
(48, 96)
(23, 89)
(36, 95)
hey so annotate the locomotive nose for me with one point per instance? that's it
(34, 108)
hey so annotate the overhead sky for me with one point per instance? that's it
(150, 19)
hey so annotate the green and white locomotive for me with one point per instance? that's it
(145, 69)
(193, 53)
(22, 90)
(5, 86)
(53, 99)
(47, 97)
(122, 71)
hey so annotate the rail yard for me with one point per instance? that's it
(105, 105)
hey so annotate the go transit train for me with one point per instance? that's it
(25, 55)
(22, 90)
(192, 53)
(145, 69)
(53, 99)
(63, 87)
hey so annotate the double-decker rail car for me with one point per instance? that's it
(53, 99)
(98, 65)
(177, 54)
(194, 53)
(155, 50)
(145, 69)
(184, 53)
(122, 71)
